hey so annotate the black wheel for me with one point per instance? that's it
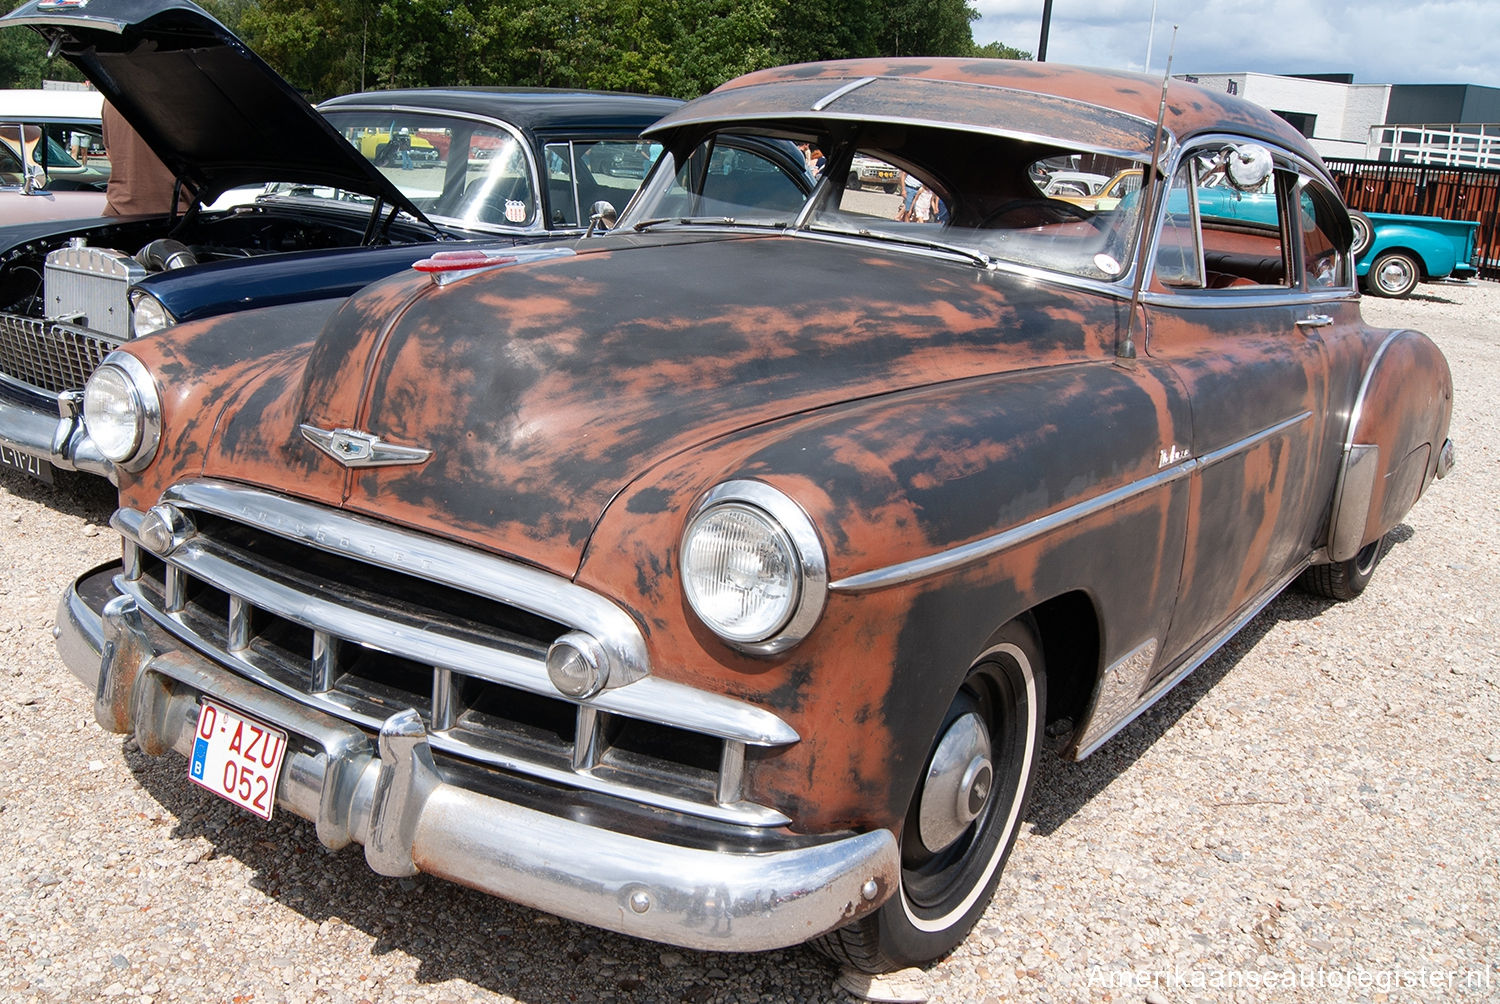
(852, 182)
(1394, 274)
(964, 816)
(1364, 233)
(1344, 580)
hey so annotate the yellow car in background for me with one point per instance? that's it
(1110, 196)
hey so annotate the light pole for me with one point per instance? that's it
(1041, 47)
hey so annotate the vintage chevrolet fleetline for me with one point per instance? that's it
(715, 579)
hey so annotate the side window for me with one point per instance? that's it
(1179, 257)
(723, 179)
(1217, 236)
(1324, 263)
(562, 195)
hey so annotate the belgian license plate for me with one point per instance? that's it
(25, 462)
(237, 757)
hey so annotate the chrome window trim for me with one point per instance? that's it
(539, 226)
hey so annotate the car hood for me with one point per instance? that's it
(544, 388)
(211, 109)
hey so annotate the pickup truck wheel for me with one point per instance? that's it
(963, 819)
(1394, 274)
(1364, 233)
(1344, 580)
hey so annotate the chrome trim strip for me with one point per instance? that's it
(1252, 441)
(834, 95)
(387, 795)
(1198, 657)
(455, 565)
(964, 554)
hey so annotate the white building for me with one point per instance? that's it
(1454, 125)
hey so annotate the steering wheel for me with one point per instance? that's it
(1034, 213)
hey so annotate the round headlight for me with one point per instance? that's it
(122, 411)
(752, 567)
(148, 316)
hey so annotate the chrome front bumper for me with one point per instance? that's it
(57, 437)
(388, 794)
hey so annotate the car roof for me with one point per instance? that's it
(529, 109)
(1110, 111)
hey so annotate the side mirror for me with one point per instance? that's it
(36, 180)
(602, 216)
(1247, 166)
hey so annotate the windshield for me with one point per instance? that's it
(480, 175)
(992, 199)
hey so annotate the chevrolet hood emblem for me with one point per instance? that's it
(353, 448)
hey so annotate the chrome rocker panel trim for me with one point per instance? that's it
(388, 795)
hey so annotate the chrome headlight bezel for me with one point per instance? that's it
(129, 448)
(786, 520)
(148, 315)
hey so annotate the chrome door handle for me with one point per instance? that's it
(1315, 321)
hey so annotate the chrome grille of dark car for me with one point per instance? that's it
(260, 603)
(48, 356)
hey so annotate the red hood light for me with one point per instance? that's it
(446, 266)
(458, 261)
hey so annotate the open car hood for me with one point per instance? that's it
(214, 112)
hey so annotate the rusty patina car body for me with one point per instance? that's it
(714, 580)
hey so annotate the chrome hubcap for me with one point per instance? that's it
(1394, 275)
(958, 783)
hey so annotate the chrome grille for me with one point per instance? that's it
(50, 357)
(298, 598)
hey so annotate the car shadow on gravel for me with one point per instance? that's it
(87, 498)
(455, 933)
(1063, 787)
(451, 932)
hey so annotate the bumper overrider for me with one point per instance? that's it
(56, 437)
(387, 793)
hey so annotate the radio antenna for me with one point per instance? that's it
(1125, 348)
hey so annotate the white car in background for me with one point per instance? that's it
(52, 160)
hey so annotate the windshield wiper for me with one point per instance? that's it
(979, 258)
(726, 221)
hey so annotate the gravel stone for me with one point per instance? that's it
(1321, 798)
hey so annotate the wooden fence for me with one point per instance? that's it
(1453, 193)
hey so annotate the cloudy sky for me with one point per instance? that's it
(1379, 41)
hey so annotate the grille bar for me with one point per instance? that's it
(364, 651)
(48, 356)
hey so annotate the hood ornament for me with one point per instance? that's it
(353, 448)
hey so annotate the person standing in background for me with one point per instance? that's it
(139, 183)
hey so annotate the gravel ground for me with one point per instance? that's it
(1312, 816)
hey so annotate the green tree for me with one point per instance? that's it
(24, 62)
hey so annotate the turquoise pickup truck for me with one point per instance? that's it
(1396, 252)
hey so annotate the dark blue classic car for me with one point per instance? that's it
(316, 205)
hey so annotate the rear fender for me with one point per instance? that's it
(1396, 433)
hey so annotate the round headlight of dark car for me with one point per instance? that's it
(148, 316)
(122, 411)
(753, 568)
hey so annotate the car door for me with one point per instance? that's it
(1229, 309)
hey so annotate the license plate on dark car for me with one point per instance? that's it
(26, 463)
